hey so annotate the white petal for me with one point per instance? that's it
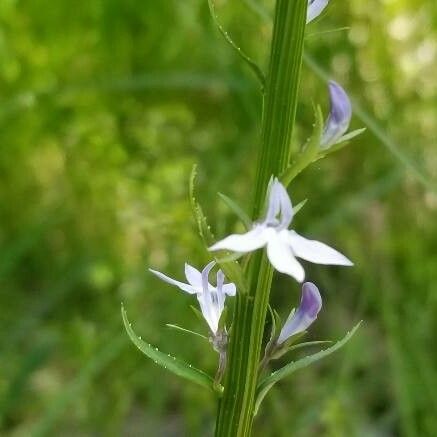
(208, 312)
(194, 277)
(185, 287)
(252, 240)
(221, 296)
(282, 258)
(273, 201)
(315, 8)
(279, 205)
(315, 251)
(286, 207)
(229, 289)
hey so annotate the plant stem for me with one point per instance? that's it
(235, 413)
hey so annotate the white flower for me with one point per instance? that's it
(211, 299)
(315, 8)
(283, 245)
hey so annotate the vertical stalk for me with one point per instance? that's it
(235, 413)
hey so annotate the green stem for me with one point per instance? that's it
(236, 409)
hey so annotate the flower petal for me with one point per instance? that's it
(279, 204)
(315, 8)
(306, 314)
(230, 289)
(221, 296)
(194, 277)
(282, 258)
(185, 287)
(339, 116)
(208, 299)
(315, 251)
(205, 275)
(247, 242)
(274, 199)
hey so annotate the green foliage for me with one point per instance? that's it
(268, 382)
(167, 361)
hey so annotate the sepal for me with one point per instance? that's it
(341, 143)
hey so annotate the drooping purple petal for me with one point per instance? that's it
(315, 8)
(339, 117)
(306, 314)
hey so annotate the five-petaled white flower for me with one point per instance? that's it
(283, 245)
(306, 314)
(315, 8)
(211, 299)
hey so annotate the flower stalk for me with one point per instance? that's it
(236, 409)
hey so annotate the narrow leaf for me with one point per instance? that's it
(173, 364)
(308, 344)
(299, 206)
(267, 383)
(185, 331)
(252, 64)
(198, 313)
(342, 142)
(238, 211)
(293, 347)
(232, 270)
(310, 152)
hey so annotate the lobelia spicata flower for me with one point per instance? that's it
(298, 321)
(339, 117)
(315, 8)
(211, 299)
(283, 245)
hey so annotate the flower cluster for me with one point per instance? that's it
(283, 245)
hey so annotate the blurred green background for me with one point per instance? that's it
(105, 105)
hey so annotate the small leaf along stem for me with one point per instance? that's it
(237, 406)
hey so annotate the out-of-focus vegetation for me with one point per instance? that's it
(105, 106)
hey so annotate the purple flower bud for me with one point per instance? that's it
(306, 314)
(339, 117)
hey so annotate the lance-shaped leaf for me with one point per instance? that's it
(231, 269)
(173, 364)
(268, 382)
(310, 152)
(185, 331)
(251, 63)
(239, 212)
